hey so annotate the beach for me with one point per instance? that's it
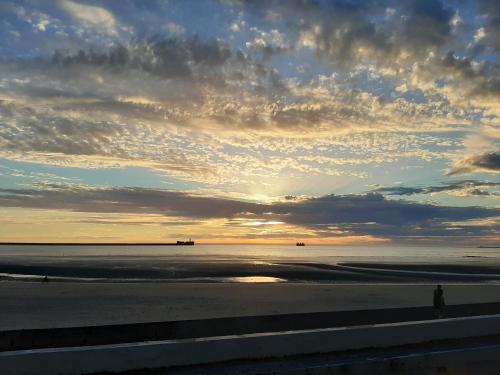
(71, 296)
(39, 305)
(96, 285)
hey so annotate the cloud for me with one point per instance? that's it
(428, 24)
(164, 57)
(219, 110)
(481, 79)
(488, 162)
(126, 200)
(478, 193)
(491, 11)
(156, 102)
(370, 214)
(466, 187)
(186, 68)
(268, 43)
(420, 42)
(350, 31)
(91, 16)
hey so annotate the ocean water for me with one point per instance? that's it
(322, 253)
(229, 263)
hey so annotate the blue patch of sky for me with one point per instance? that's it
(23, 34)
(22, 38)
(440, 83)
(409, 170)
(365, 80)
(415, 96)
(302, 64)
(207, 19)
(470, 13)
(22, 175)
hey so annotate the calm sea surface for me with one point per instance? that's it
(323, 254)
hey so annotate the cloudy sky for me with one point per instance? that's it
(337, 121)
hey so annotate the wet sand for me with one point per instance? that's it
(434, 268)
(50, 305)
(158, 270)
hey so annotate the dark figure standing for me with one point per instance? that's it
(438, 302)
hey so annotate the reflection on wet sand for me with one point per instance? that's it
(256, 279)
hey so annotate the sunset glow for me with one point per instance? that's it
(329, 122)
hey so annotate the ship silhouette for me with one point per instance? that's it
(185, 243)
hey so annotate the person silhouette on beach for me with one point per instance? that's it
(438, 302)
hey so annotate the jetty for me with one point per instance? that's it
(178, 243)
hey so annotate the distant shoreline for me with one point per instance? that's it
(95, 244)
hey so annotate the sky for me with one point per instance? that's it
(233, 121)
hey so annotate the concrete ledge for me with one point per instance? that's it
(158, 354)
(241, 325)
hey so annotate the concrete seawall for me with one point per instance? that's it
(169, 353)
(123, 333)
